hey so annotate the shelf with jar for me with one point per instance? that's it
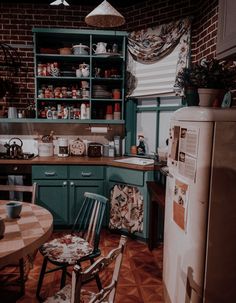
(73, 67)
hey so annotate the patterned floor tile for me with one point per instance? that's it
(140, 277)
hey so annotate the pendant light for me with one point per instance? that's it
(105, 15)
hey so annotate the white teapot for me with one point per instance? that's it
(100, 48)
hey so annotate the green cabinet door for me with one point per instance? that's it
(76, 192)
(53, 195)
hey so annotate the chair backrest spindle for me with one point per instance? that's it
(107, 293)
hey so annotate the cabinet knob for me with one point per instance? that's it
(64, 183)
(15, 168)
(72, 183)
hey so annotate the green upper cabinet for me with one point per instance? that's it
(75, 67)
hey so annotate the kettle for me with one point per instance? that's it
(14, 150)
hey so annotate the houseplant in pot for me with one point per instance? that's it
(211, 78)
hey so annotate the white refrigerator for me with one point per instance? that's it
(200, 211)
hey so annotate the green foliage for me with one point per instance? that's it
(209, 74)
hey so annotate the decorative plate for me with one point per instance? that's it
(77, 148)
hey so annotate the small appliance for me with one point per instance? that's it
(63, 149)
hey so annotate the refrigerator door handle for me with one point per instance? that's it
(165, 171)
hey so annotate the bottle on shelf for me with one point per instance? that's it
(88, 110)
(83, 111)
(141, 149)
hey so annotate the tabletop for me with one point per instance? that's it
(25, 234)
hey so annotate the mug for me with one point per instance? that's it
(78, 72)
(13, 209)
(2, 227)
(12, 112)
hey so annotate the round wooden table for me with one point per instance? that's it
(25, 234)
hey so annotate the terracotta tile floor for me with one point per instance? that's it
(140, 277)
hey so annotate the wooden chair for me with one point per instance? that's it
(74, 293)
(21, 188)
(23, 263)
(81, 244)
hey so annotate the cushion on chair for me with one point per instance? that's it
(64, 296)
(66, 249)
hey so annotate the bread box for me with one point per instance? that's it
(95, 149)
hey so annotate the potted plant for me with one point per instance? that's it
(211, 78)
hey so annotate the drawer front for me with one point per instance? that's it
(128, 176)
(85, 172)
(49, 172)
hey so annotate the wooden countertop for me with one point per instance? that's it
(76, 160)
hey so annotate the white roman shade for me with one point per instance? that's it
(153, 75)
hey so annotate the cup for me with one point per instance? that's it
(12, 112)
(78, 72)
(2, 227)
(13, 209)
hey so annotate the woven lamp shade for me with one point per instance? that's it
(105, 15)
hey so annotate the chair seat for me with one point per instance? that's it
(64, 295)
(69, 248)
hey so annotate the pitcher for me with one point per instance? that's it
(100, 48)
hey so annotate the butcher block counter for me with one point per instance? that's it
(106, 161)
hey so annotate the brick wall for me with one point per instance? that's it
(17, 21)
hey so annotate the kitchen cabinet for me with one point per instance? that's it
(71, 69)
(53, 190)
(134, 179)
(61, 188)
(83, 178)
(226, 36)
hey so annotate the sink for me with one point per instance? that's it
(137, 161)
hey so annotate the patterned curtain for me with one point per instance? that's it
(149, 45)
(126, 208)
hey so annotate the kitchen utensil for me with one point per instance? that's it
(95, 149)
(13, 209)
(100, 48)
(80, 49)
(65, 51)
(12, 112)
(14, 150)
(45, 149)
(2, 227)
(77, 148)
(63, 147)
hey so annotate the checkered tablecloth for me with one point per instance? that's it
(25, 234)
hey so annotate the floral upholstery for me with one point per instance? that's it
(67, 249)
(64, 296)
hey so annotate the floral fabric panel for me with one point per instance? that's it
(67, 249)
(126, 208)
(151, 44)
(64, 296)
(148, 46)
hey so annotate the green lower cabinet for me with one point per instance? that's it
(61, 188)
(133, 185)
(53, 195)
(77, 189)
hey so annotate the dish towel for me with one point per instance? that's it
(15, 180)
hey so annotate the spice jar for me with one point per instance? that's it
(116, 94)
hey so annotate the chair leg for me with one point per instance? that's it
(63, 277)
(41, 276)
(98, 281)
(22, 280)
